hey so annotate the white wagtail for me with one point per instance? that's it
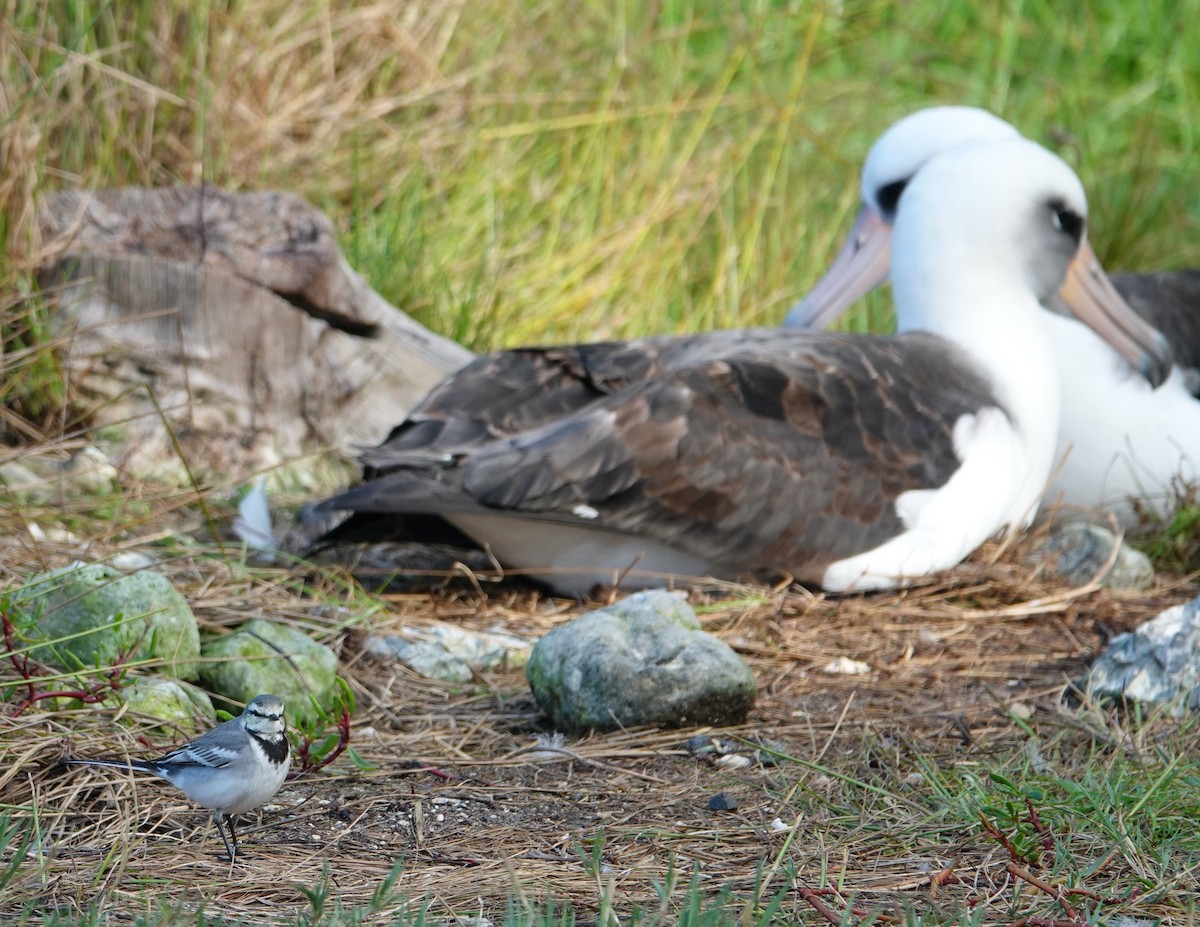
(236, 766)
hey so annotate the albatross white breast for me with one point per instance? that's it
(1119, 438)
(847, 461)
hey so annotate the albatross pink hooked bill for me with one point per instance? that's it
(847, 461)
(1118, 437)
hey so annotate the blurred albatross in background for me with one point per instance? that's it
(846, 461)
(1119, 439)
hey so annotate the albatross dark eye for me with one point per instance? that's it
(1066, 220)
(887, 197)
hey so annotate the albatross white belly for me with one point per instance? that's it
(944, 525)
(1118, 437)
(575, 560)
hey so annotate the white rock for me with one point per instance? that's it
(443, 651)
(1157, 662)
(130, 561)
(52, 535)
(89, 471)
(844, 666)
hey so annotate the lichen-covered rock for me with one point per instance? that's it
(94, 615)
(89, 472)
(265, 656)
(1157, 662)
(1076, 552)
(443, 651)
(642, 661)
(182, 707)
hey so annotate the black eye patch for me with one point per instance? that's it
(1067, 220)
(888, 197)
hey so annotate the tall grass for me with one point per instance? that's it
(533, 172)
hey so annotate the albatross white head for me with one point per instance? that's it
(900, 155)
(892, 162)
(985, 228)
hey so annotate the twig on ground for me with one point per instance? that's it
(598, 764)
(97, 692)
(814, 897)
(1062, 896)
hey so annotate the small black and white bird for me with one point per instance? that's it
(235, 767)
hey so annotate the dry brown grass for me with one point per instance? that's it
(955, 667)
(175, 93)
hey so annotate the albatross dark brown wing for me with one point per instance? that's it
(1170, 301)
(507, 392)
(778, 452)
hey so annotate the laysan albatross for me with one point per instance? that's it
(1119, 439)
(846, 461)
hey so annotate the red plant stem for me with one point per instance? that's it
(1057, 894)
(343, 726)
(91, 695)
(1061, 894)
(1036, 821)
(434, 771)
(1103, 899)
(1000, 837)
(945, 877)
(20, 664)
(813, 897)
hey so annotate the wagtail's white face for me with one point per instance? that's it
(264, 716)
(264, 723)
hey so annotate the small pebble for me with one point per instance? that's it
(844, 666)
(722, 802)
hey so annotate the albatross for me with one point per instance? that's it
(1119, 439)
(850, 462)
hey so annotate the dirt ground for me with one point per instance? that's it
(955, 678)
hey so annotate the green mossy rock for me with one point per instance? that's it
(642, 661)
(91, 615)
(268, 657)
(181, 707)
(1076, 553)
